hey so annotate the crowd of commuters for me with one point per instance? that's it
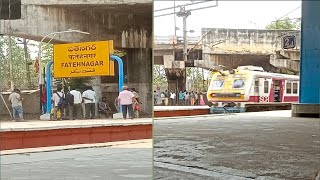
(76, 105)
(73, 104)
(183, 98)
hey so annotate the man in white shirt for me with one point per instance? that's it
(173, 99)
(125, 99)
(77, 108)
(57, 106)
(89, 98)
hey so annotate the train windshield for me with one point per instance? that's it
(238, 83)
(216, 84)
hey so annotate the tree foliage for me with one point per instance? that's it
(159, 76)
(285, 24)
(198, 83)
(18, 64)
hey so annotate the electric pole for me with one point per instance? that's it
(26, 57)
(184, 14)
(10, 64)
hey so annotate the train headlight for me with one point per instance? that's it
(238, 95)
(231, 71)
(213, 94)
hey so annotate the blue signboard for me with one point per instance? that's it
(289, 42)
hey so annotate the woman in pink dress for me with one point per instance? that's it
(202, 103)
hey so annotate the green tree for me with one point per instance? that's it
(198, 83)
(159, 76)
(18, 63)
(285, 24)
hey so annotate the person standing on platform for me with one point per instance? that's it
(192, 98)
(16, 103)
(125, 100)
(58, 101)
(155, 97)
(77, 107)
(136, 103)
(181, 98)
(163, 101)
(196, 99)
(44, 100)
(202, 103)
(70, 104)
(89, 98)
(166, 97)
(173, 99)
(186, 99)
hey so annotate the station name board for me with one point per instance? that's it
(83, 59)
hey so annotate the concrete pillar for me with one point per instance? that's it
(176, 83)
(175, 72)
(96, 81)
(309, 94)
(139, 75)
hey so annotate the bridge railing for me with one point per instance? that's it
(177, 39)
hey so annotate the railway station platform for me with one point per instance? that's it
(171, 111)
(251, 145)
(32, 134)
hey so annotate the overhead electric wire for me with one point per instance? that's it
(288, 13)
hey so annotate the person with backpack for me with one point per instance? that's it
(69, 102)
(58, 100)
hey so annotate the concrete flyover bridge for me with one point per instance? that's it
(127, 22)
(228, 47)
(238, 47)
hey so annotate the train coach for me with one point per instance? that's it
(248, 85)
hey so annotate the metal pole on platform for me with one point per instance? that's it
(49, 82)
(120, 74)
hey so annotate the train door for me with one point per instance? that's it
(276, 90)
(256, 90)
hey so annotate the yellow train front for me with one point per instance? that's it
(227, 90)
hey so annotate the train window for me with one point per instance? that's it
(288, 88)
(216, 84)
(256, 86)
(266, 87)
(238, 83)
(295, 88)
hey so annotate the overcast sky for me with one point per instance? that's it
(228, 14)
